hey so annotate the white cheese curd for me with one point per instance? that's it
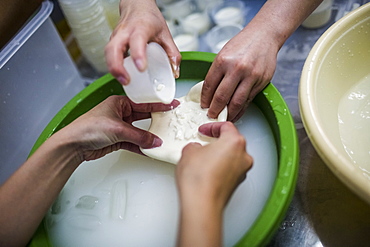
(179, 126)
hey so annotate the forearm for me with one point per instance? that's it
(127, 6)
(206, 177)
(200, 223)
(279, 19)
(27, 195)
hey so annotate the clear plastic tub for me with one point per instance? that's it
(228, 13)
(38, 77)
(218, 36)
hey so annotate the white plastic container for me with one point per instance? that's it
(199, 22)
(228, 13)
(156, 83)
(111, 8)
(204, 4)
(218, 36)
(90, 26)
(185, 40)
(38, 77)
(178, 9)
(320, 16)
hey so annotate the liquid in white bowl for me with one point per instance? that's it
(354, 124)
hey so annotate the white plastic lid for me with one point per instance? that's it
(156, 83)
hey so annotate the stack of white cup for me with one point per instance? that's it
(90, 27)
(111, 8)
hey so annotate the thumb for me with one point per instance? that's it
(191, 146)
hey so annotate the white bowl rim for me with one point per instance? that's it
(338, 163)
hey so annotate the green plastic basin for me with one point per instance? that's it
(194, 66)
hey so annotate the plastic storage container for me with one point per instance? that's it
(37, 77)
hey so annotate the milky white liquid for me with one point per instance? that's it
(159, 86)
(229, 15)
(186, 42)
(198, 22)
(125, 199)
(354, 124)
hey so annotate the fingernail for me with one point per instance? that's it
(157, 142)
(140, 64)
(177, 71)
(175, 67)
(175, 103)
(122, 80)
(200, 132)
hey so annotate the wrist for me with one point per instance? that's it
(280, 25)
(66, 147)
(127, 6)
(202, 201)
(200, 222)
(261, 31)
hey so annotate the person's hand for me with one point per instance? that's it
(141, 22)
(206, 177)
(215, 170)
(36, 184)
(107, 127)
(240, 71)
(247, 62)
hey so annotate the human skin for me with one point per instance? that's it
(206, 177)
(241, 69)
(247, 62)
(27, 195)
(140, 23)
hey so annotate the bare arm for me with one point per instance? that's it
(206, 178)
(247, 62)
(27, 195)
(281, 18)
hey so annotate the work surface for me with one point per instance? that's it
(323, 212)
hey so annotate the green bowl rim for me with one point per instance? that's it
(276, 206)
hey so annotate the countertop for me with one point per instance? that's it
(323, 212)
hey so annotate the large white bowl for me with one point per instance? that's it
(338, 60)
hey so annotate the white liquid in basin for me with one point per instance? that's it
(354, 124)
(125, 199)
